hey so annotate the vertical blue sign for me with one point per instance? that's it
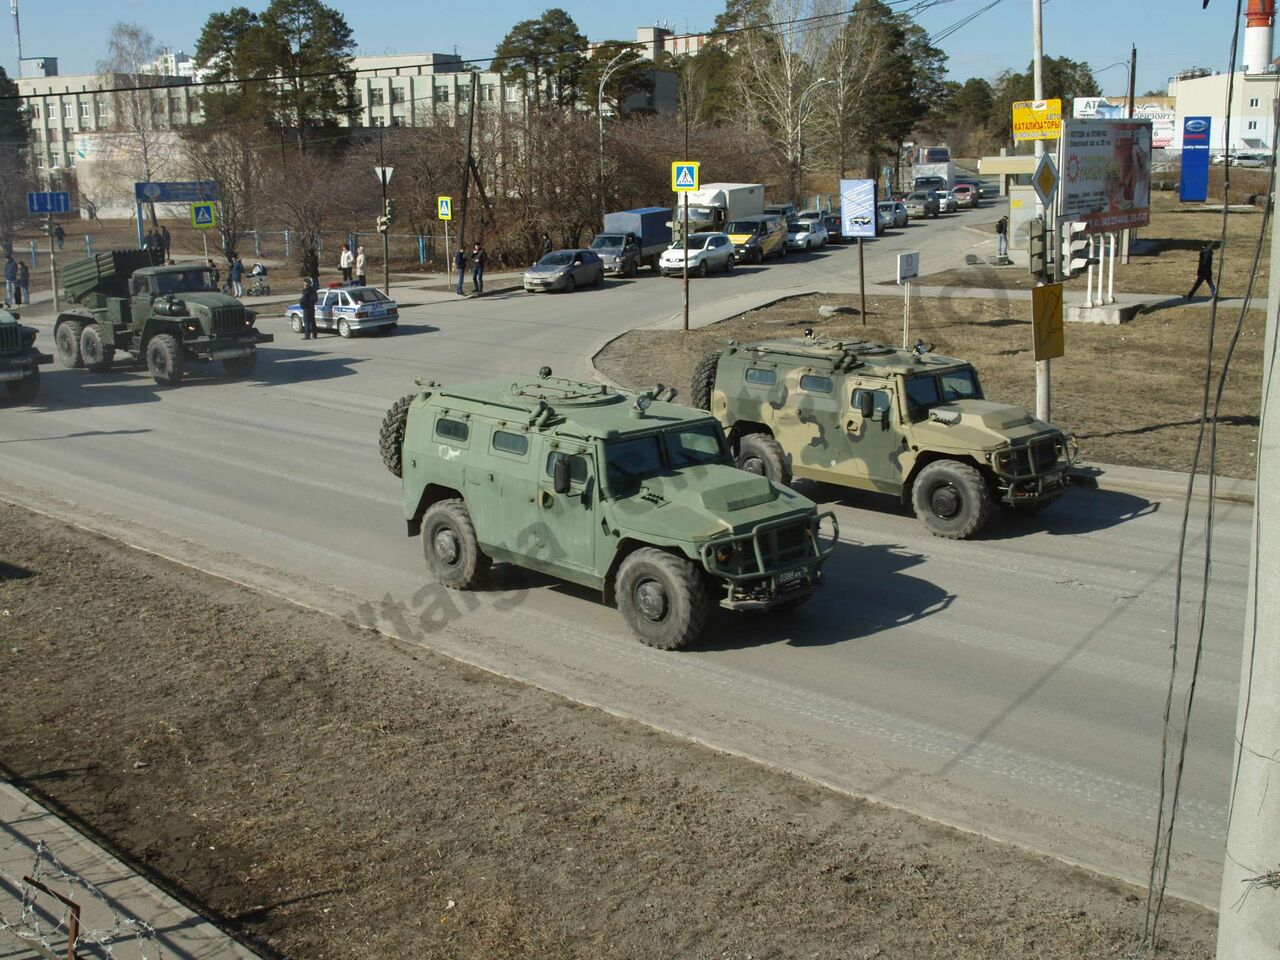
(858, 208)
(1195, 160)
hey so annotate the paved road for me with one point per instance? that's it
(1013, 686)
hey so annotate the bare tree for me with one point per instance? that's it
(236, 162)
(143, 146)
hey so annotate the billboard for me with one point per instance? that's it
(858, 208)
(1194, 187)
(1159, 110)
(1106, 173)
(1037, 119)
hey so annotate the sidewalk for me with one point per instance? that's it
(118, 907)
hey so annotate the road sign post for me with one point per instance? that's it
(684, 180)
(444, 213)
(384, 178)
(49, 203)
(858, 219)
(908, 270)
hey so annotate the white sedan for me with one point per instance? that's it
(806, 235)
(350, 310)
(707, 252)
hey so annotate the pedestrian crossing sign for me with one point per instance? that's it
(684, 175)
(204, 216)
(444, 208)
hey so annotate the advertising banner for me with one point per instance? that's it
(1159, 110)
(1037, 119)
(1106, 173)
(1195, 160)
(858, 208)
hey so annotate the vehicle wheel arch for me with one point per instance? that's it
(741, 428)
(926, 457)
(626, 547)
(432, 493)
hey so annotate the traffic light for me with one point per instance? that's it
(1076, 249)
(1037, 248)
(383, 224)
(390, 211)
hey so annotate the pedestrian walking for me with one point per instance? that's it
(1002, 238)
(1204, 272)
(308, 310)
(165, 240)
(217, 275)
(346, 262)
(24, 282)
(11, 280)
(546, 246)
(360, 262)
(237, 271)
(460, 264)
(311, 266)
(478, 259)
(59, 235)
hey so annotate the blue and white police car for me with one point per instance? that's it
(350, 310)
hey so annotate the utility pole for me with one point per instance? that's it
(1044, 396)
(386, 233)
(604, 78)
(53, 267)
(466, 168)
(1249, 909)
(1126, 234)
(684, 230)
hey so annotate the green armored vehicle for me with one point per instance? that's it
(164, 316)
(631, 495)
(20, 361)
(870, 416)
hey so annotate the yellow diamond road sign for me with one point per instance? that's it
(1045, 180)
(444, 208)
(684, 175)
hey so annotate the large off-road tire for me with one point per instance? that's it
(24, 390)
(391, 436)
(450, 546)
(951, 499)
(704, 379)
(165, 360)
(66, 341)
(761, 454)
(236, 368)
(96, 353)
(664, 598)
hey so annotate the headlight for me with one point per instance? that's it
(1006, 459)
(191, 327)
(725, 554)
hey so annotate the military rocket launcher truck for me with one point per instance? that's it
(165, 316)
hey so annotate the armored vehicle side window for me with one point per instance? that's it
(815, 384)
(960, 385)
(922, 394)
(577, 465)
(515, 443)
(454, 430)
(879, 402)
(761, 377)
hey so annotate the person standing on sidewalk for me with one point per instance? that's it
(237, 271)
(1204, 272)
(308, 304)
(11, 280)
(346, 262)
(1002, 238)
(166, 240)
(24, 282)
(478, 259)
(311, 266)
(460, 264)
(546, 246)
(59, 235)
(360, 262)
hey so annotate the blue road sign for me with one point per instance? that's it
(181, 191)
(58, 201)
(858, 208)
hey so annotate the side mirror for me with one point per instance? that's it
(866, 405)
(560, 476)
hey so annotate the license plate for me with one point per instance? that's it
(789, 576)
(377, 311)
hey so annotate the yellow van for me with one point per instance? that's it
(756, 238)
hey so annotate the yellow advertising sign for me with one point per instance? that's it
(1046, 321)
(1037, 119)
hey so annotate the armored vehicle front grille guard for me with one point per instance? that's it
(10, 336)
(227, 320)
(1036, 458)
(770, 548)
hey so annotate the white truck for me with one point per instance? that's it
(713, 206)
(931, 173)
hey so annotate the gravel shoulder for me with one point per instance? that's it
(323, 791)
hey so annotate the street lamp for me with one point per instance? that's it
(799, 143)
(608, 71)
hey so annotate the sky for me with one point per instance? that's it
(1170, 34)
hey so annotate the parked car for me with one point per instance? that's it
(923, 203)
(966, 195)
(350, 310)
(835, 233)
(787, 211)
(803, 234)
(707, 252)
(947, 202)
(893, 213)
(1251, 160)
(565, 270)
(756, 238)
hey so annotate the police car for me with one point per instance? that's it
(349, 309)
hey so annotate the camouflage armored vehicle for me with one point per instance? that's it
(166, 317)
(870, 416)
(20, 361)
(634, 496)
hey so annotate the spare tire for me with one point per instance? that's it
(704, 378)
(391, 436)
